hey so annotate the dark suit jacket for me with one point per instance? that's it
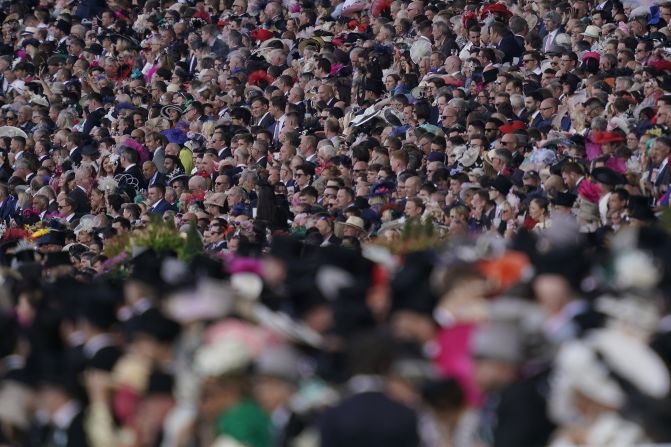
(369, 419)
(266, 121)
(133, 184)
(93, 120)
(157, 179)
(105, 358)
(48, 436)
(76, 156)
(510, 48)
(81, 199)
(8, 209)
(161, 207)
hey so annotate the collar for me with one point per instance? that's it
(365, 384)
(96, 343)
(63, 417)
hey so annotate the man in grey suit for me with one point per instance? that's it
(552, 23)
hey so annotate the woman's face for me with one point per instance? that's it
(109, 166)
(535, 211)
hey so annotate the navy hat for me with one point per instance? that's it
(502, 184)
(99, 312)
(374, 85)
(639, 208)
(90, 149)
(285, 248)
(57, 259)
(156, 325)
(436, 156)
(95, 48)
(607, 176)
(63, 26)
(52, 238)
(566, 199)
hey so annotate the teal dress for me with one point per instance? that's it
(247, 423)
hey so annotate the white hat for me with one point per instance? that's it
(352, 222)
(30, 30)
(585, 366)
(592, 31)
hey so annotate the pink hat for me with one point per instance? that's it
(591, 55)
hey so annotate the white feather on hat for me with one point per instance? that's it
(585, 366)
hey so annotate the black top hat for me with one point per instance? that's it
(607, 176)
(502, 184)
(374, 85)
(566, 199)
(57, 259)
(156, 325)
(90, 149)
(639, 208)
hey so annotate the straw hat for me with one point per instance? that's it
(352, 222)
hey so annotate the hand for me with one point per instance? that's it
(98, 384)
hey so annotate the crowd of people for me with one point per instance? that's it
(269, 223)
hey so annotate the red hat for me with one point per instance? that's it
(261, 34)
(496, 8)
(605, 136)
(512, 127)
(591, 55)
(660, 65)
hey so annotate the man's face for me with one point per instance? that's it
(547, 109)
(342, 199)
(153, 195)
(659, 152)
(508, 142)
(411, 209)
(550, 25)
(530, 104)
(474, 37)
(258, 109)
(641, 53)
(148, 170)
(64, 209)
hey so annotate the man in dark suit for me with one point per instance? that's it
(96, 113)
(79, 194)
(131, 180)
(158, 205)
(505, 42)
(64, 426)
(7, 204)
(369, 417)
(73, 145)
(260, 114)
(151, 174)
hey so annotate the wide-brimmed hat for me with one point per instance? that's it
(216, 199)
(592, 31)
(502, 184)
(352, 222)
(166, 109)
(566, 199)
(604, 137)
(607, 176)
(367, 115)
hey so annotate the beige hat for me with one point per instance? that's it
(592, 31)
(217, 199)
(352, 222)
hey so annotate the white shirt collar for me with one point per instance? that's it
(63, 417)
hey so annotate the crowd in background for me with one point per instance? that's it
(341, 223)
